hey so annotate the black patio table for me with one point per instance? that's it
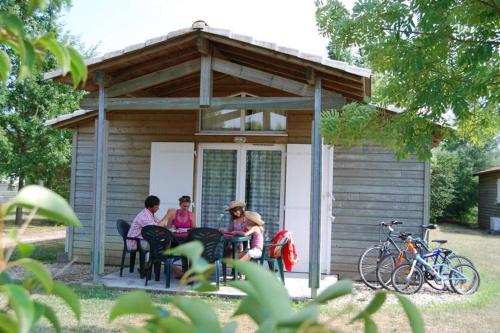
(182, 237)
(234, 240)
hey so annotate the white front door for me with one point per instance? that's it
(247, 172)
(298, 199)
(171, 173)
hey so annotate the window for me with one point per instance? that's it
(243, 120)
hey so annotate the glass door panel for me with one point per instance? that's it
(263, 186)
(218, 186)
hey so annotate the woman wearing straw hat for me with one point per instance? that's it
(255, 228)
(238, 221)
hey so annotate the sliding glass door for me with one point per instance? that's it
(245, 172)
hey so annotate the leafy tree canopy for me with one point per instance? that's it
(32, 152)
(438, 60)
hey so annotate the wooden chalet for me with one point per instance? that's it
(221, 116)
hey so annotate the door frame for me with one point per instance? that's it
(241, 149)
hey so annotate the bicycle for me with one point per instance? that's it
(369, 259)
(409, 278)
(390, 262)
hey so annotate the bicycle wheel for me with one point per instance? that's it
(464, 279)
(385, 268)
(456, 259)
(434, 281)
(407, 283)
(367, 266)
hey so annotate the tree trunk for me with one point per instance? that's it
(19, 210)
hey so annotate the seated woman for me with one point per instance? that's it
(182, 217)
(238, 221)
(255, 228)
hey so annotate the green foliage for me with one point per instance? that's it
(454, 192)
(358, 124)
(266, 302)
(33, 152)
(438, 61)
(31, 46)
(21, 312)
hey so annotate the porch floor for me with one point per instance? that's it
(296, 284)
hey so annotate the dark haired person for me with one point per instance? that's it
(144, 218)
(182, 217)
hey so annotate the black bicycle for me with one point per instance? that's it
(369, 260)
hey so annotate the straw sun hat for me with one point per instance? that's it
(236, 204)
(254, 217)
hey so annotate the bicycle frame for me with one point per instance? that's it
(436, 269)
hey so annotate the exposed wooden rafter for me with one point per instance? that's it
(264, 78)
(152, 79)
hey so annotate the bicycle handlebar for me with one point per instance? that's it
(388, 224)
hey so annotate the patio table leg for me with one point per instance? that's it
(157, 267)
(235, 271)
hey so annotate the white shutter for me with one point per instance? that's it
(297, 200)
(171, 173)
(326, 209)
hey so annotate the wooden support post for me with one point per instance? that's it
(68, 241)
(99, 186)
(203, 46)
(206, 81)
(315, 224)
(206, 74)
(310, 75)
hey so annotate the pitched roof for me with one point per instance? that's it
(226, 34)
(495, 169)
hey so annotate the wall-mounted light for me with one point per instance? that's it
(239, 139)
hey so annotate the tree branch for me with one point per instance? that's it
(451, 37)
(492, 4)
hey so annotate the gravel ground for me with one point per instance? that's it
(80, 273)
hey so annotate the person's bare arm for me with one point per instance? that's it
(246, 233)
(167, 220)
(193, 220)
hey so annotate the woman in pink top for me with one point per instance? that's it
(182, 217)
(238, 221)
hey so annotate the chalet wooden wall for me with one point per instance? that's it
(487, 200)
(370, 186)
(129, 142)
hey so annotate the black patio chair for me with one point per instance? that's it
(159, 240)
(272, 262)
(123, 228)
(213, 246)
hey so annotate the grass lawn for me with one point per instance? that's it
(476, 313)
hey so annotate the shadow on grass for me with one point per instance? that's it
(462, 229)
(45, 251)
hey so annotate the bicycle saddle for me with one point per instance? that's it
(440, 241)
(446, 251)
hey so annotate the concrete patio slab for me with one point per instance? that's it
(295, 283)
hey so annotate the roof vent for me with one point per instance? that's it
(199, 25)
